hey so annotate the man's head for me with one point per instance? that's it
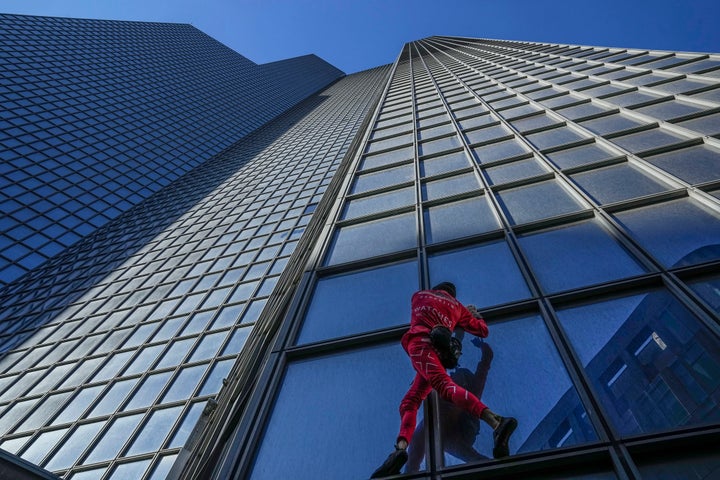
(446, 287)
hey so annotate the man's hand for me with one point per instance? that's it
(474, 311)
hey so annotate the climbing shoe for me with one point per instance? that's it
(391, 465)
(501, 436)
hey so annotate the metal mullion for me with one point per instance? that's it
(433, 451)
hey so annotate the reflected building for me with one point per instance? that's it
(208, 262)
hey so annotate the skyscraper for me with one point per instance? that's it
(258, 291)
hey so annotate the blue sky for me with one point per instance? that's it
(355, 35)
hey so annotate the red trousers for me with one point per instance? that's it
(430, 374)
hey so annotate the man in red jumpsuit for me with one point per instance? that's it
(433, 308)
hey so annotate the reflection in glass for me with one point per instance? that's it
(677, 233)
(365, 240)
(618, 182)
(709, 289)
(516, 354)
(442, 164)
(537, 201)
(459, 219)
(353, 399)
(450, 186)
(484, 274)
(379, 203)
(589, 255)
(361, 301)
(654, 366)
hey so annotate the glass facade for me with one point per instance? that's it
(99, 115)
(570, 192)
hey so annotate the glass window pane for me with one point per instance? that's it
(42, 445)
(213, 382)
(499, 151)
(610, 124)
(384, 178)
(475, 121)
(369, 239)
(148, 391)
(444, 187)
(209, 344)
(131, 470)
(653, 365)
(77, 405)
(554, 137)
(697, 164)
(436, 131)
(709, 290)
(390, 142)
(580, 111)
(113, 398)
(677, 233)
(669, 109)
(459, 219)
(436, 146)
(153, 433)
(368, 299)
(387, 158)
(487, 134)
(618, 182)
(342, 397)
(445, 163)
(114, 438)
(185, 383)
(162, 467)
(518, 170)
(706, 125)
(73, 446)
(379, 203)
(544, 412)
(484, 275)
(186, 426)
(582, 155)
(537, 201)
(589, 255)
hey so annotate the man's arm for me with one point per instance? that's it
(472, 321)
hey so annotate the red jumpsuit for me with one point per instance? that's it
(431, 308)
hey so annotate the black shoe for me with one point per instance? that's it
(391, 465)
(501, 436)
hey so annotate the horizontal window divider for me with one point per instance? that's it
(504, 161)
(692, 271)
(388, 149)
(465, 241)
(687, 143)
(453, 198)
(515, 105)
(449, 174)
(523, 181)
(511, 309)
(440, 154)
(486, 143)
(375, 216)
(604, 291)
(699, 436)
(694, 115)
(380, 168)
(592, 166)
(593, 116)
(645, 200)
(555, 221)
(406, 254)
(565, 146)
(494, 123)
(591, 456)
(629, 131)
(347, 342)
(389, 188)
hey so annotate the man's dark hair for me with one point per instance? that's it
(446, 287)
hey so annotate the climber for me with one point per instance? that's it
(432, 349)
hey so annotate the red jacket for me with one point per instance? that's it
(431, 308)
